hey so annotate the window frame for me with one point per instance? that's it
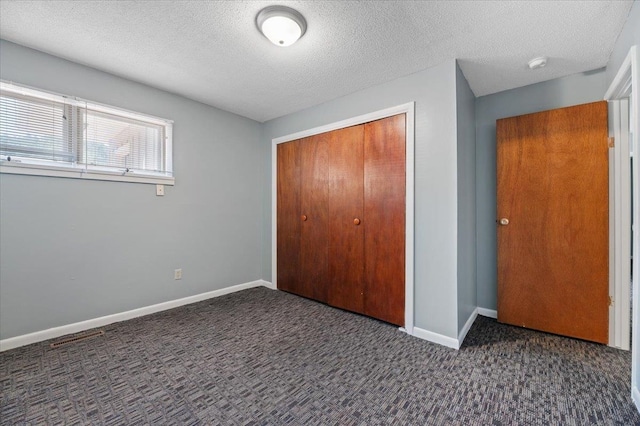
(38, 167)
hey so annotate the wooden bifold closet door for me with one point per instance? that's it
(341, 218)
(314, 218)
(384, 209)
(303, 216)
(346, 229)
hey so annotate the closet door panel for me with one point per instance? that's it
(346, 220)
(314, 217)
(384, 210)
(288, 221)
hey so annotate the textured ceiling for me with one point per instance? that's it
(212, 52)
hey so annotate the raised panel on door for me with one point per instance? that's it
(346, 221)
(384, 210)
(288, 221)
(314, 215)
(552, 178)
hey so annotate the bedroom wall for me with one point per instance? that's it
(434, 93)
(73, 250)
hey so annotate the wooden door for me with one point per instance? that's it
(384, 211)
(346, 220)
(314, 216)
(552, 179)
(288, 220)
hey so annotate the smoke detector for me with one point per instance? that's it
(539, 62)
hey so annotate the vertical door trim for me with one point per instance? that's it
(619, 226)
(409, 110)
(627, 82)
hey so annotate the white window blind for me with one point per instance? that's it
(40, 130)
(34, 128)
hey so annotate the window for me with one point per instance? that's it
(53, 135)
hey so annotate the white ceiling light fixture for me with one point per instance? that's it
(282, 25)
(539, 62)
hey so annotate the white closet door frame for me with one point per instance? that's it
(619, 226)
(409, 110)
(626, 84)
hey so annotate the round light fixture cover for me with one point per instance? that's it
(282, 25)
(539, 62)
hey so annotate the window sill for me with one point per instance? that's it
(78, 173)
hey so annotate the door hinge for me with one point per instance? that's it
(610, 301)
(612, 142)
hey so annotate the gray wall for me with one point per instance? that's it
(73, 250)
(572, 90)
(466, 130)
(433, 90)
(629, 36)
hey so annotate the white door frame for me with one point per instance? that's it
(409, 110)
(624, 84)
(619, 224)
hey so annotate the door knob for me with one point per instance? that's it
(504, 221)
(356, 221)
(304, 217)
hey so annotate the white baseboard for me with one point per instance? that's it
(491, 313)
(467, 327)
(268, 284)
(51, 333)
(447, 341)
(440, 339)
(635, 395)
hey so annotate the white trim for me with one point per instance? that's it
(451, 342)
(274, 213)
(613, 108)
(440, 339)
(39, 336)
(82, 173)
(409, 217)
(619, 225)
(354, 121)
(619, 86)
(109, 109)
(467, 327)
(624, 78)
(489, 313)
(635, 395)
(168, 149)
(409, 110)
(269, 285)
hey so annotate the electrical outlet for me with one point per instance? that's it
(159, 190)
(177, 274)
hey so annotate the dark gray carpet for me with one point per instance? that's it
(267, 357)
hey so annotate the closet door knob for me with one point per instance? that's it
(304, 217)
(356, 221)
